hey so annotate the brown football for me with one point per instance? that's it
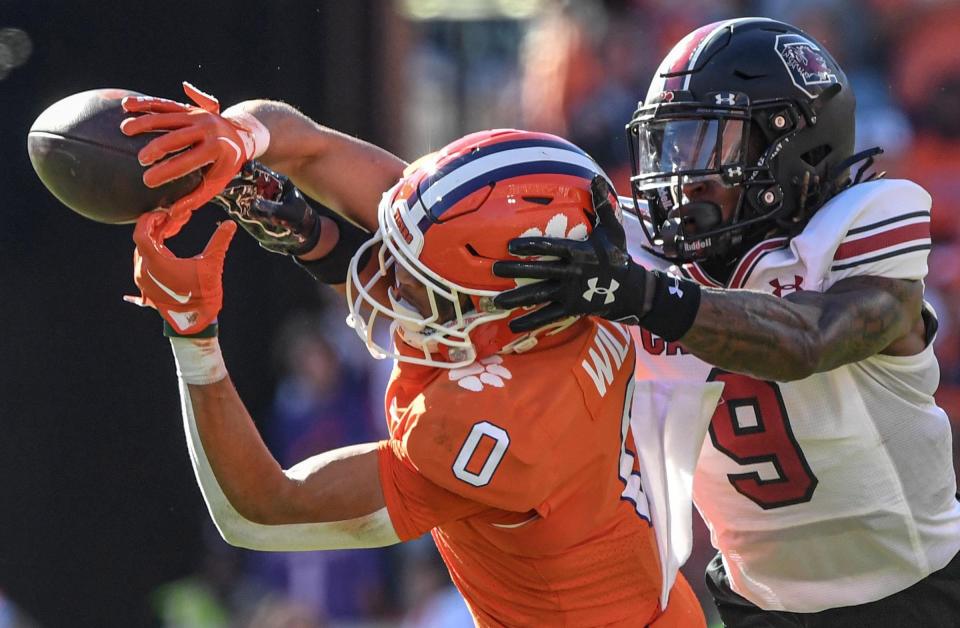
(79, 153)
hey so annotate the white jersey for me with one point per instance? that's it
(837, 489)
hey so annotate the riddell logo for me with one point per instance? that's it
(697, 245)
(779, 289)
(402, 226)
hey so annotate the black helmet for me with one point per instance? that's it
(756, 104)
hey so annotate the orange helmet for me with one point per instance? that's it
(447, 221)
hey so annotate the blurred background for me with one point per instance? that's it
(101, 523)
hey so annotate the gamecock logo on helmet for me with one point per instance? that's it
(805, 63)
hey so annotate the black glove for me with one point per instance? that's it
(271, 209)
(592, 276)
(595, 276)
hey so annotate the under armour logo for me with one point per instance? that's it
(606, 292)
(729, 99)
(734, 172)
(675, 290)
(778, 289)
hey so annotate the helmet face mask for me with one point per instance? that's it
(427, 334)
(442, 227)
(750, 104)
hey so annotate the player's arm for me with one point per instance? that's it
(807, 332)
(737, 330)
(329, 501)
(332, 500)
(365, 495)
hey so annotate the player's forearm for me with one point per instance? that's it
(805, 333)
(243, 468)
(753, 333)
(342, 172)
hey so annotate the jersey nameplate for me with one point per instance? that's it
(607, 352)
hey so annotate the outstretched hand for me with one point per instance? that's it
(198, 136)
(188, 293)
(592, 276)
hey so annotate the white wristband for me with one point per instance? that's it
(255, 136)
(199, 360)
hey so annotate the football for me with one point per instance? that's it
(81, 156)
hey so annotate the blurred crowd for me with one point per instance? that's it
(575, 69)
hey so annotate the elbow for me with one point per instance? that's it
(236, 538)
(265, 513)
(238, 531)
(258, 515)
(234, 529)
(268, 505)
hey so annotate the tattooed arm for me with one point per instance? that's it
(807, 332)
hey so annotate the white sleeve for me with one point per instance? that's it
(372, 530)
(888, 237)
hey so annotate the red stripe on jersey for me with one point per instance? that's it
(882, 240)
(747, 262)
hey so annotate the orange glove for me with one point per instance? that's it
(188, 293)
(223, 143)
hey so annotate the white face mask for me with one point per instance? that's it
(415, 333)
(427, 333)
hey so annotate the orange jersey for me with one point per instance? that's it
(517, 464)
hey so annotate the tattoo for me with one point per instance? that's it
(806, 332)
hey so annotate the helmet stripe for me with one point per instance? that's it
(683, 57)
(541, 157)
(508, 172)
(498, 147)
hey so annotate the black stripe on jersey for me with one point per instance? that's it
(888, 221)
(877, 258)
